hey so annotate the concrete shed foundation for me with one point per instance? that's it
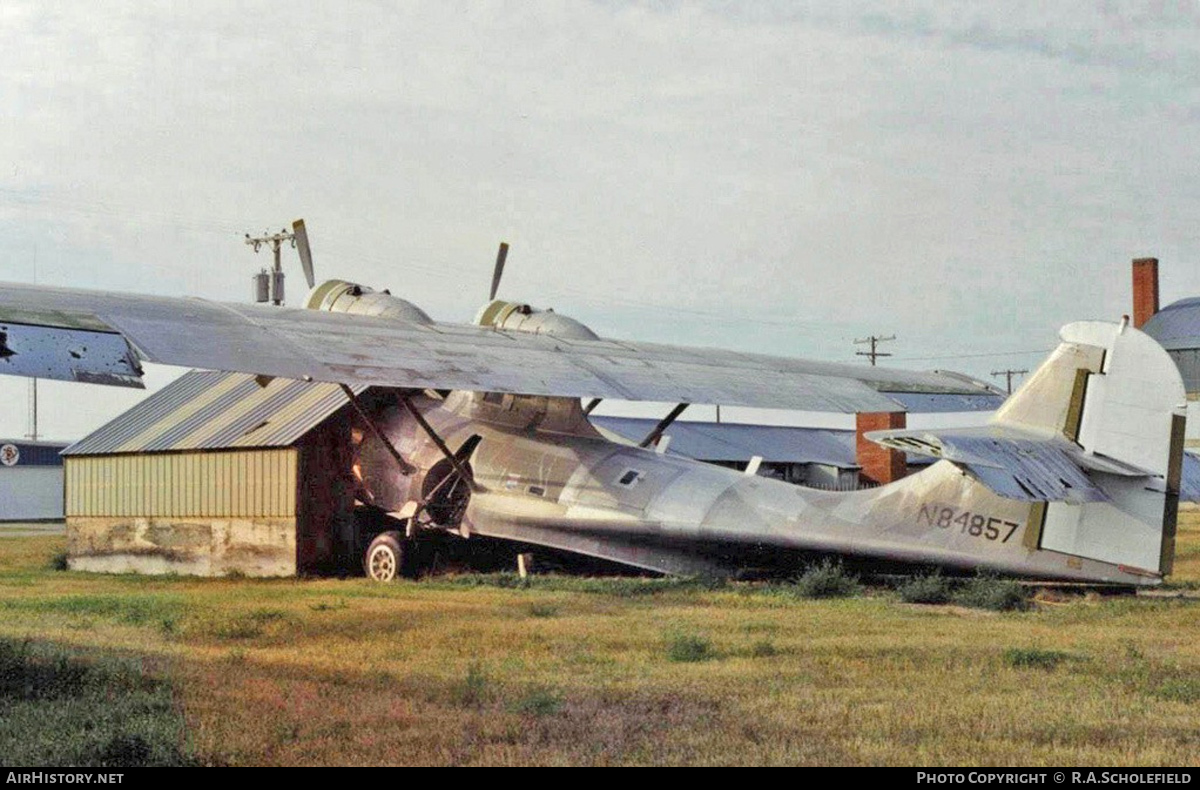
(186, 546)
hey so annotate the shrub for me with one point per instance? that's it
(990, 592)
(764, 648)
(826, 580)
(931, 588)
(687, 649)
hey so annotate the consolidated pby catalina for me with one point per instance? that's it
(482, 430)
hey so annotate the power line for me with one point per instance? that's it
(1008, 377)
(275, 278)
(874, 340)
(979, 355)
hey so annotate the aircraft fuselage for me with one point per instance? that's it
(545, 476)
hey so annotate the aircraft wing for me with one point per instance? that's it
(102, 337)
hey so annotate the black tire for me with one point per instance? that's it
(384, 560)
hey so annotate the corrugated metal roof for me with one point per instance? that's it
(710, 441)
(1176, 326)
(205, 410)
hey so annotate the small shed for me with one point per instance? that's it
(31, 480)
(215, 473)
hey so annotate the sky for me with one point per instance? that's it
(773, 177)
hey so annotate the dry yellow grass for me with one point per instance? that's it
(346, 672)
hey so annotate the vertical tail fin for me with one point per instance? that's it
(1116, 393)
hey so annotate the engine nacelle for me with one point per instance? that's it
(339, 296)
(518, 317)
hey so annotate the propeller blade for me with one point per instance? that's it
(498, 272)
(305, 251)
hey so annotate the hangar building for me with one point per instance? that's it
(1177, 328)
(31, 480)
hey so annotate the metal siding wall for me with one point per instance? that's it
(251, 483)
(1188, 361)
(31, 492)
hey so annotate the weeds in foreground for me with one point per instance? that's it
(59, 709)
(1035, 658)
(619, 586)
(539, 701)
(688, 649)
(249, 626)
(1177, 689)
(474, 689)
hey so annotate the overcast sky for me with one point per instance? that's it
(778, 177)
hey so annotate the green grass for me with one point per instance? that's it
(539, 701)
(485, 670)
(475, 689)
(620, 586)
(1035, 658)
(687, 649)
(57, 708)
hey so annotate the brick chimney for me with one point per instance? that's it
(1145, 290)
(879, 464)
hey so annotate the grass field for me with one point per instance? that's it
(119, 669)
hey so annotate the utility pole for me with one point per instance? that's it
(33, 426)
(874, 340)
(1008, 377)
(276, 241)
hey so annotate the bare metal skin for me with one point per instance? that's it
(548, 478)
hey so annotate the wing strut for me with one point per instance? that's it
(663, 424)
(405, 466)
(464, 472)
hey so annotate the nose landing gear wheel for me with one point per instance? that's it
(384, 560)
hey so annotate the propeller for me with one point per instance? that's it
(301, 238)
(498, 272)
